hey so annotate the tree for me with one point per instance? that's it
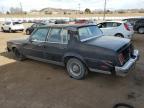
(15, 10)
(87, 11)
(7, 12)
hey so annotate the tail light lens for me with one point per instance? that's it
(126, 27)
(121, 59)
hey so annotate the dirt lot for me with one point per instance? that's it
(33, 84)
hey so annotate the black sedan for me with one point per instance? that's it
(80, 48)
(29, 30)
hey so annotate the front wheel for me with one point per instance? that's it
(2, 29)
(76, 69)
(27, 32)
(19, 56)
(141, 30)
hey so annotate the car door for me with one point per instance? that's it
(56, 44)
(36, 45)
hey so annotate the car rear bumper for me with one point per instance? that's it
(128, 66)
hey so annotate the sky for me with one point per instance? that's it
(71, 4)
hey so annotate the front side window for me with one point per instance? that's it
(102, 25)
(34, 25)
(40, 34)
(89, 32)
(15, 23)
(7, 23)
(55, 35)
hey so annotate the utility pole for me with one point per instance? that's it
(2, 10)
(105, 3)
(79, 6)
(21, 7)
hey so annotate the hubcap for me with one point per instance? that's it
(141, 30)
(75, 69)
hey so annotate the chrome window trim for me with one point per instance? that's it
(83, 40)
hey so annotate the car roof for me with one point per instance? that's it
(113, 21)
(67, 25)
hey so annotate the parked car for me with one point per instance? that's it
(60, 22)
(12, 26)
(139, 26)
(80, 48)
(29, 30)
(132, 21)
(117, 28)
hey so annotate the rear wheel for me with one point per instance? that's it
(19, 56)
(76, 69)
(141, 30)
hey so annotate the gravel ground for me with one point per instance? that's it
(33, 84)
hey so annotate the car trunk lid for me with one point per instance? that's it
(108, 42)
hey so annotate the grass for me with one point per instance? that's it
(72, 15)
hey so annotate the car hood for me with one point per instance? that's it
(108, 42)
(19, 40)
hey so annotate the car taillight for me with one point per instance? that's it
(121, 59)
(126, 27)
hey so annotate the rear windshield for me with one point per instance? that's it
(86, 33)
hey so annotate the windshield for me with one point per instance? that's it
(89, 32)
(15, 23)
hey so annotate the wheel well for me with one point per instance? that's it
(69, 57)
(13, 48)
(140, 27)
(119, 34)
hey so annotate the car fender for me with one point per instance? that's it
(73, 55)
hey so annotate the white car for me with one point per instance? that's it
(12, 26)
(117, 28)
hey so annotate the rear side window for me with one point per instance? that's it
(112, 24)
(40, 34)
(65, 36)
(55, 36)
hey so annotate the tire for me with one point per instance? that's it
(2, 29)
(122, 105)
(10, 31)
(27, 32)
(141, 30)
(119, 35)
(18, 55)
(76, 69)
